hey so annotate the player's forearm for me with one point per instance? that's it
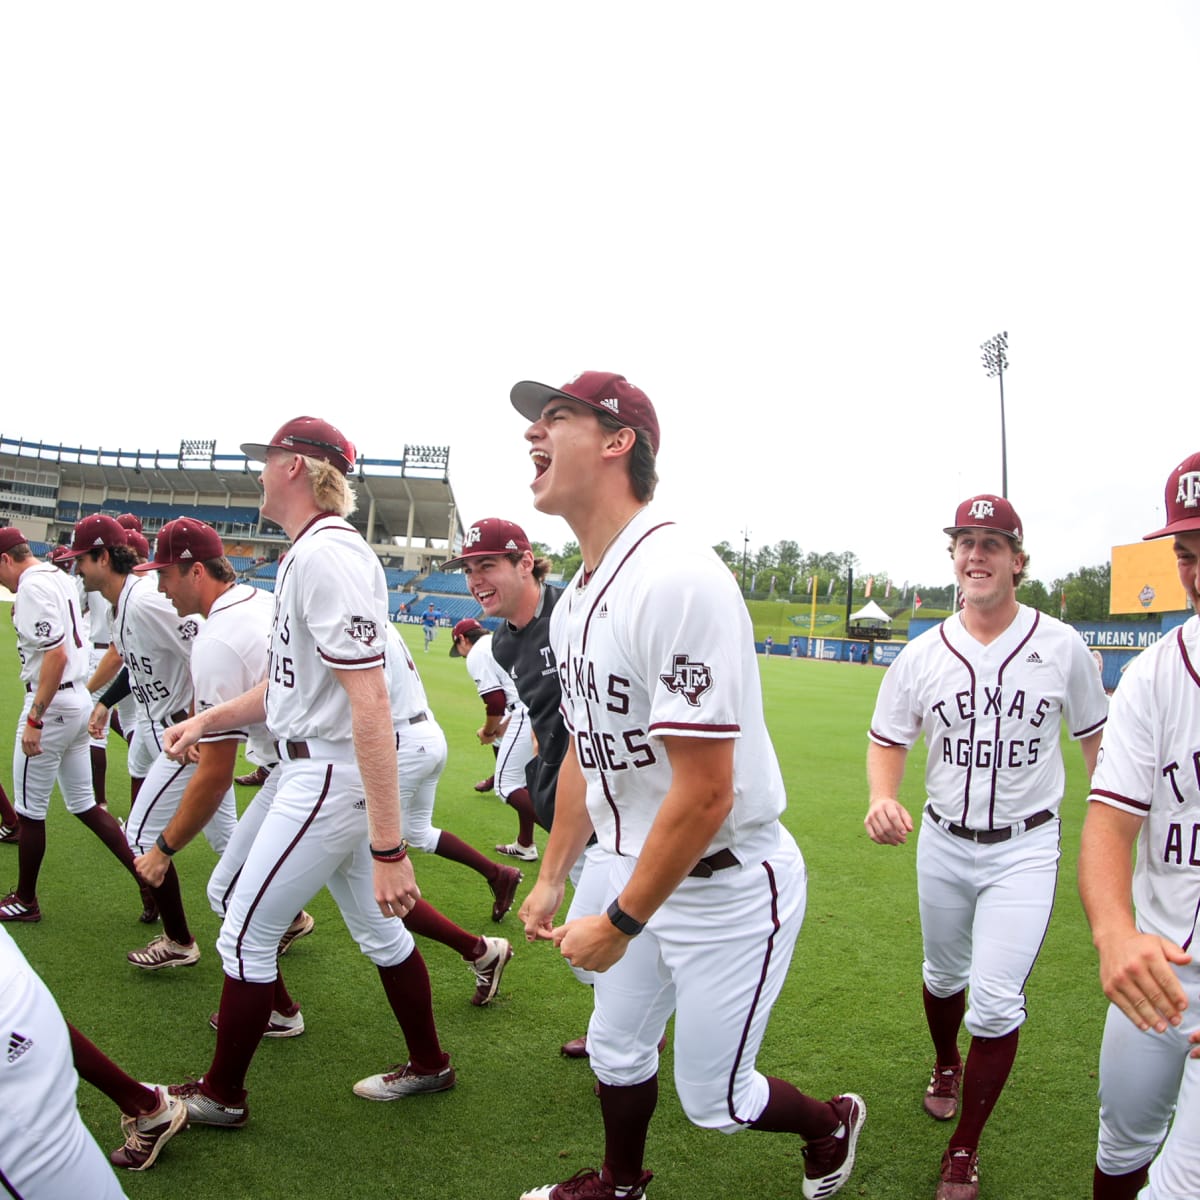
(250, 708)
(1106, 871)
(203, 794)
(1090, 748)
(54, 663)
(375, 750)
(696, 804)
(572, 825)
(885, 770)
(106, 670)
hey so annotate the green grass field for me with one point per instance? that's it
(849, 1018)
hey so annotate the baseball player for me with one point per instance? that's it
(335, 819)
(1145, 792)
(429, 624)
(46, 1153)
(505, 725)
(659, 681)
(421, 758)
(229, 657)
(507, 580)
(989, 689)
(155, 645)
(52, 735)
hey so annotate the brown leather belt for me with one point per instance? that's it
(988, 837)
(717, 861)
(292, 750)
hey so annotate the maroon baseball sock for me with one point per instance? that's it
(8, 814)
(104, 825)
(454, 848)
(519, 800)
(789, 1110)
(944, 1015)
(99, 773)
(282, 1001)
(244, 1013)
(626, 1112)
(170, 905)
(407, 988)
(989, 1061)
(31, 849)
(1119, 1187)
(105, 1076)
(424, 919)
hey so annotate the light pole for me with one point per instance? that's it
(995, 359)
(745, 555)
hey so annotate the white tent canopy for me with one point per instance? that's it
(870, 612)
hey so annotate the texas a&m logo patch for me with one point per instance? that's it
(361, 629)
(688, 679)
(981, 509)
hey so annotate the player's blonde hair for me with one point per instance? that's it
(332, 491)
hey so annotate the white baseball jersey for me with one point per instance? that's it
(321, 618)
(406, 692)
(155, 643)
(46, 616)
(991, 715)
(1149, 766)
(229, 657)
(99, 616)
(488, 674)
(614, 633)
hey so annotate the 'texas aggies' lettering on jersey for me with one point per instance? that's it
(688, 679)
(1181, 847)
(607, 751)
(981, 750)
(363, 629)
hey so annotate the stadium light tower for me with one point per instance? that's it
(745, 555)
(995, 360)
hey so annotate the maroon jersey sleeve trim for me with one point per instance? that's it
(1119, 799)
(1091, 728)
(692, 727)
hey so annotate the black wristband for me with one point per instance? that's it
(399, 854)
(161, 843)
(628, 925)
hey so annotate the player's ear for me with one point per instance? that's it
(619, 441)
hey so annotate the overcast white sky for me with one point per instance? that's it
(792, 224)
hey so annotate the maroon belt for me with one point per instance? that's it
(717, 861)
(988, 837)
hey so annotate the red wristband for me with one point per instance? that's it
(35, 724)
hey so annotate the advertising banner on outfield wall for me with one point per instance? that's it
(1144, 579)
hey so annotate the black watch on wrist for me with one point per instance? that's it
(628, 925)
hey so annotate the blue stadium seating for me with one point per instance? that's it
(445, 582)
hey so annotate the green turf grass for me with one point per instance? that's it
(849, 1018)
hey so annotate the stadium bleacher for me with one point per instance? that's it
(445, 583)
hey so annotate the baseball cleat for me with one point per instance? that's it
(278, 1024)
(588, 1185)
(829, 1160)
(256, 778)
(162, 952)
(486, 785)
(13, 908)
(504, 888)
(401, 1081)
(10, 833)
(575, 1048)
(960, 1175)
(488, 968)
(146, 1136)
(302, 926)
(516, 850)
(202, 1109)
(941, 1096)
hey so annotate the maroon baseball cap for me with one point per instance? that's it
(129, 521)
(184, 540)
(601, 390)
(97, 532)
(138, 543)
(60, 554)
(490, 538)
(466, 625)
(987, 512)
(10, 536)
(309, 436)
(1183, 499)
